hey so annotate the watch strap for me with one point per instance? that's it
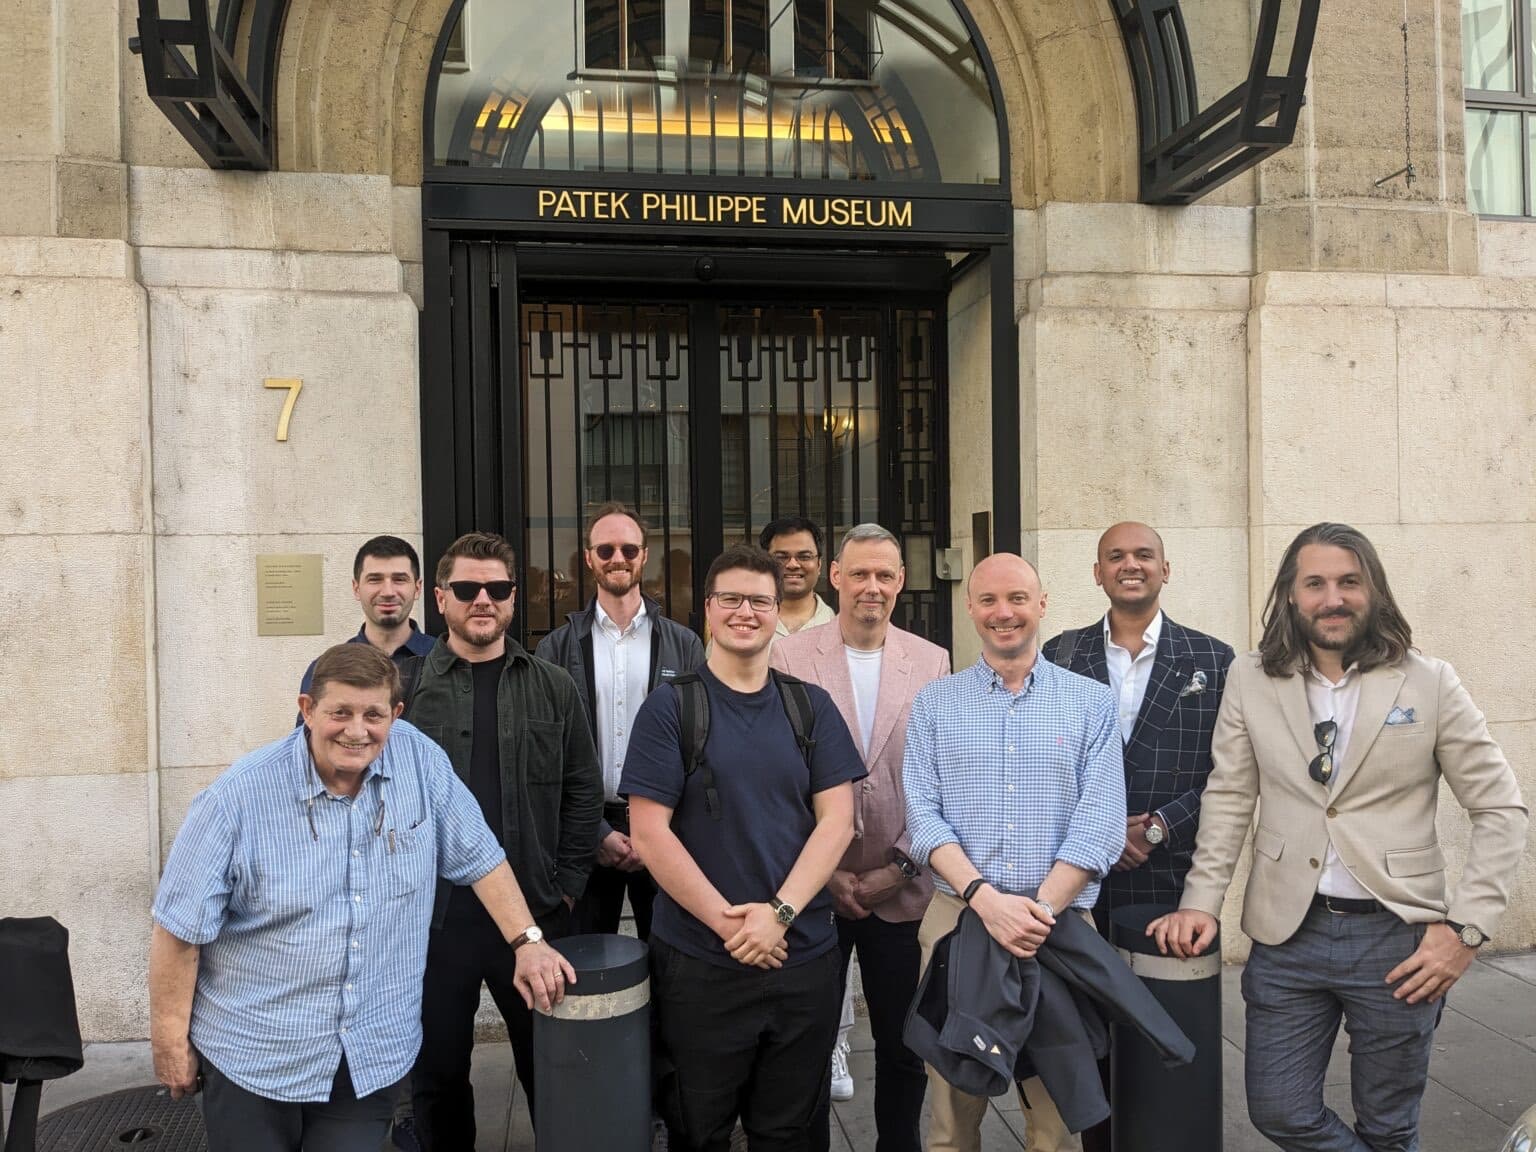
(970, 889)
(523, 938)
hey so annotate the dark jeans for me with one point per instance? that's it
(1334, 968)
(601, 906)
(240, 1121)
(744, 1041)
(888, 967)
(465, 951)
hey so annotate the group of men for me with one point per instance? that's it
(818, 785)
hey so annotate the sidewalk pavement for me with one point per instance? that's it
(1482, 1076)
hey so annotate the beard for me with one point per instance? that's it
(479, 637)
(1339, 642)
(617, 580)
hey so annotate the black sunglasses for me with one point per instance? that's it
(465, 591)
(1321, 768)
(606, 551)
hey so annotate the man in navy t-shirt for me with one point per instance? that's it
(744, 957)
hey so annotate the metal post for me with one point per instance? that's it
(592, 1091)
(1158, 1108)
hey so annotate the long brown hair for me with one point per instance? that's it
(1387, 637)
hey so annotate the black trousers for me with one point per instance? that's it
(744, 1042)
(888, 967)
(466, 951)
(240, 1121)
(601, 906)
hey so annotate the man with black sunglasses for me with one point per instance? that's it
(617, 649)
(516, 733)
(1341, 732)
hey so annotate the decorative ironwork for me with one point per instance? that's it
(921, 505)
(1186, 151)
(194, 74)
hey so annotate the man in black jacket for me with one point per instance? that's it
(617, 649)
(514, 728)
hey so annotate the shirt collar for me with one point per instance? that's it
(604, 620)
(1152, 635)
(1318, 678)
(417, 643)
(308, 776)
(990, 681)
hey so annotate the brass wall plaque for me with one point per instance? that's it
(288, 594)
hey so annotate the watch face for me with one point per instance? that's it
(1471, 936)
(1154, 834)
(785, 913)
(533, 935)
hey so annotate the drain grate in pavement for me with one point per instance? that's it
(141, 1119)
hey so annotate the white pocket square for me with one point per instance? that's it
(1196, 684)
(1401, 716)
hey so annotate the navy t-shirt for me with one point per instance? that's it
(765, 793)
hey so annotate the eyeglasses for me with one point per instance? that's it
(731, 601)
(606, 551)
(803, 558)
(466, 591)
(1321, 768)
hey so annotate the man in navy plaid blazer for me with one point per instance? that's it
(1167, 682)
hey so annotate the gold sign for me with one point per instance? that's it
(294, 386)
(588, 204)
(288, 594)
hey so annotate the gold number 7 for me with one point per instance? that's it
(294, 386)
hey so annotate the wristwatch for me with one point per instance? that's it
(904, 865)
(785, 912)
(1154, 834)
(1469, 934)
(1046, 904)
(531, 935)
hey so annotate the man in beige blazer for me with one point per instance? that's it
(873, 671)
(1340, 732)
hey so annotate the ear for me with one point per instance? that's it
(835, 576)
(442, 599)
(399, 709)
(901, 578)
(1098, 575)
(357, 591)
(306, 707)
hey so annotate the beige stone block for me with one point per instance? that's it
(1321, 289)
(28, 41)
(1506, 248)
(89, 82)
(1141, 291)
(1138, 238)
(93, 199)
(1140, 409)
(1467, 415)
(74, 717)
(1478, 293)
(351, 459)
(405, 204)
(206, 588)
(247, 269)
(77, 848)
(26, 190)
(1323, 418)
(74, 373)
(47, 256)
(1365, 238)
(327, 212)
(413, 284)
(1028, 244)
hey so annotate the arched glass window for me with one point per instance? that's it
(880, 90)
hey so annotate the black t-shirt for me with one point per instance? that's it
(765, 793)
(484, 771)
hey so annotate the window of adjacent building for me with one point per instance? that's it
(876, 90)
(1498, 58)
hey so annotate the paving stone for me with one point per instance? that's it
(1491, 1071)
(1499, 1000)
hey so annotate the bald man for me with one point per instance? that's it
(1167, 682)
(1014, 785)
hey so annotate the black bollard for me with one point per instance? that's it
(592, 1055)
(1157, 1108)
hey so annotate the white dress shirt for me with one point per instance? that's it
(1337, 702)
(864, 671)
(1128, 677)
(621, 673)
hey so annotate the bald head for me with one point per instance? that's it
(1131, 568)
(1003, 565)
(1006, 602)
(1130, 528)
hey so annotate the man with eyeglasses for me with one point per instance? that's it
(742, 832)
(515, 731)
(616, 650)
(1343, 733)
(795, 543)
(291, 922)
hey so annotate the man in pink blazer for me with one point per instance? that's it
(873, 671)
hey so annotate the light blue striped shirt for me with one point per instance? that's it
(311, 948)
(1018, 781)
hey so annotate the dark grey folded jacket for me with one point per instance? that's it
(983, 1018)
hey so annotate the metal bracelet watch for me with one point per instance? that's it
(530, 935)
(785, 912)
(1046, 904)
(904, 865)
(1154, 834)
(1469, 934)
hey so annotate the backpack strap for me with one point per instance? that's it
(1067, 646)
(693, 708)
(797, 706)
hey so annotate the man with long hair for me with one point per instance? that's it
(1343, 731)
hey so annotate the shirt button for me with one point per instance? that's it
(1010, 787)
(1010, 747)
(349, 987)
(343, 1029)
(356, 899)
(355, 852)
(1010, 827)
(1332, 812)
(1009, 867)
(359, 943)
(1314, 862)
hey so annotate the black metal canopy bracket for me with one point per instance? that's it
(193, 74)
(1186, 151)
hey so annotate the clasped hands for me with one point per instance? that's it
(617, 850)
(1018, 923)
(854, 894)
(754, 935)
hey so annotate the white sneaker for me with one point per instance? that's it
(842, 1079)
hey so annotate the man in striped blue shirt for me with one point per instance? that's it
(1014, 783)
(291, 922)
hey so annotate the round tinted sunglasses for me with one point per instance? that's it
(606, 551)
(465, 591)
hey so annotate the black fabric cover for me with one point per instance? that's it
(39, 1030)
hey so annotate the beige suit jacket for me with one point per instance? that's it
(880, 807)
(1380, 811)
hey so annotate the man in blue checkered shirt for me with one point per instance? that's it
(290, 938)
(1014, 783)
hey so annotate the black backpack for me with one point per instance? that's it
(693, 705)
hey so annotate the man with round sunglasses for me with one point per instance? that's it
(1340, 732)
(616, 649)
(515, 731)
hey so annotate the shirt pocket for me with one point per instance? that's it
(1415, 862)
(411, 859)
(543, 752)
(1268, 843)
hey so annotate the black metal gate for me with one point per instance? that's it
(712, 411)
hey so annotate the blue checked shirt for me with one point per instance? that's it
(1018, 781)
(311, 948)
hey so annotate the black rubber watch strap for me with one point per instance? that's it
(970, 889)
